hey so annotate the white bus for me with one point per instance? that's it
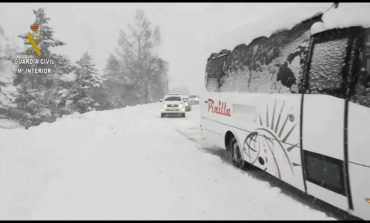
(297, 106)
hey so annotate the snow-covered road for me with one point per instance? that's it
(130, 164)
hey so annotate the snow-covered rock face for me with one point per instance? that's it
(345, 15)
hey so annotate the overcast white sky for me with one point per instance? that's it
(190, 31)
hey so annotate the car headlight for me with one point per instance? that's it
(180, 106)
(164, 105)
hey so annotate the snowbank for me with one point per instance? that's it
(130, 164)
(347, 14)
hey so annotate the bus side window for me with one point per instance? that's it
(326, 68)
(361, 93)
(215, 74)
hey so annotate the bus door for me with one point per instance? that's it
(210, 127)
(324, 113)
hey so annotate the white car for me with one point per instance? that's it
(194, 100)
(172, 105)
(186, 103)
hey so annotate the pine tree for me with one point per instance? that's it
(115, 82)
(158, 79)
(45, 88)
(46, 41)
(87, 80)
(87, 74)
(113, 70)
(139, 64)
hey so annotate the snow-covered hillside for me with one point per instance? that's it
(130, 164)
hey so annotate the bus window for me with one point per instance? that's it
(215, 72)
(361, 93)
(325, 171)
(326, 70)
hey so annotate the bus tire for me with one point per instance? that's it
(236, 156)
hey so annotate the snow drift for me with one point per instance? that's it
(130, 164)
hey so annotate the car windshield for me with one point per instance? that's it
(193, 96)
(173, 98)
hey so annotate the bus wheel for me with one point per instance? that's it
(236, 156)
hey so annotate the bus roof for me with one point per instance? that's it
(345, 15)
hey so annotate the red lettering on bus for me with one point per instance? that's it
(220, 109)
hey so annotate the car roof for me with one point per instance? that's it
(175, 94)
(167, 96)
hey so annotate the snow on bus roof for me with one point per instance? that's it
(219, 56)
(256, 40)
(345, 15)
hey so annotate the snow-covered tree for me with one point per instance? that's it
(86, 74)
(87, 80)
(140, 67)
(113, 70)
(115, 84)
(43, 88)
(45, 41)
